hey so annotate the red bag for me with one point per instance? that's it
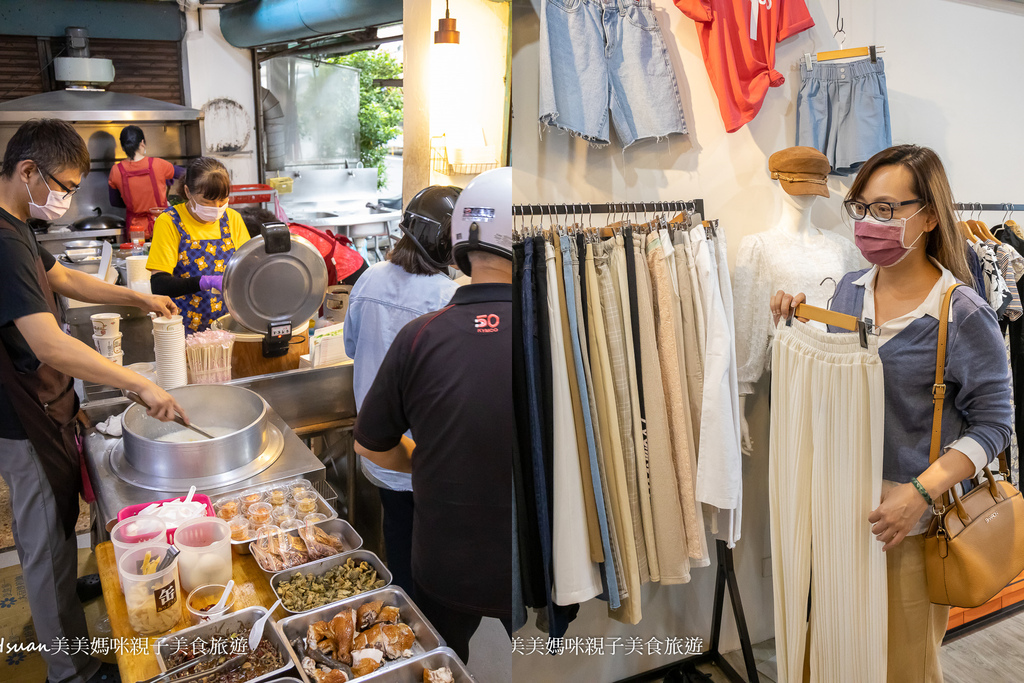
(341, 258)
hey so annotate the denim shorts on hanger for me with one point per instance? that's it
(601, 56)
(842, 110)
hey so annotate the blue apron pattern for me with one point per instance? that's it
(197, 258)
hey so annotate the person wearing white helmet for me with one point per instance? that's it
(447, 379)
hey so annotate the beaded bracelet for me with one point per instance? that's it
(921, 490)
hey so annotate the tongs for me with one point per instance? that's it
(177, 418)
(226, 666)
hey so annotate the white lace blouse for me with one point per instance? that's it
(773, 260)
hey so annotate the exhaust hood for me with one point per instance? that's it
(84, 99)
(93, 105)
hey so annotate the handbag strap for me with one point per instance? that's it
(939, 388)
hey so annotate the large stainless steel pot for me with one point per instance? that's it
(207, 406)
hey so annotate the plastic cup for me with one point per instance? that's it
(130, 532)
(105, 324)
(153, 599)
(205, 545)
(226, 508)
(248, 498)
(305, 503)
(277, 496)
(163, 324)
(201, 601)
(259, 513)
(282, 513)
(314, 518)
(240, 529)
(298, 487)
(108, 345)
(289, 524)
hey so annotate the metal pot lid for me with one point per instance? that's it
(262, 288)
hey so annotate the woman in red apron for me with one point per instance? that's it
(139, 183)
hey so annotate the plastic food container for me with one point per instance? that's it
(305, 503)
(202, 600)
(227, 508)
(338, 528)
(289, 524)
(130, 532)
(314, 518)
(133, 510)
(153, 599)
(205, 546)
(277, 496)
(240, 529)
(259, 513)
(298, 487)
(282, 514)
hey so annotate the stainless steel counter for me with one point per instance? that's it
(303, 400)
(113, 494)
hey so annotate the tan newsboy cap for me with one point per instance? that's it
(801, 170)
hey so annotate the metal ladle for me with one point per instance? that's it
(177, 418)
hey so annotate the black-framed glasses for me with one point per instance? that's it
(883, 211)
(68, 192)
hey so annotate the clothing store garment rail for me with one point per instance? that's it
(694, 205)
(973, 206)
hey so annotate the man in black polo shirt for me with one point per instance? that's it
(43, 166)
(448, 379)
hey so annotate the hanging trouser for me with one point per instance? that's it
(574, 576)
(825, 478)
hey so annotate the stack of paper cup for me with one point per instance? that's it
(169, 346)
(106, 336)
(138, 276)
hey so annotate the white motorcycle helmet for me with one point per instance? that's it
(482, 219)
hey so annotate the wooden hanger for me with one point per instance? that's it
(871, 51)
(840, 320)
(987, 233)
(965, 230)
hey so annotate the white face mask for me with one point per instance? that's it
(56, 204)
(206, 214)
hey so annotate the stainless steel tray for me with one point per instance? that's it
(322, 506)
(411, 670)
(322, 566)
(224, 626)
(427, 638)
(338, 528)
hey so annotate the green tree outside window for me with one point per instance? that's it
(380, 108)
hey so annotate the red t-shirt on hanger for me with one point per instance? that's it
(741, 69)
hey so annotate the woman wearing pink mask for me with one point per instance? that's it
(192, 243)
(905, 224)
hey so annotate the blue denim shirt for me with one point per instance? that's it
(382, 301)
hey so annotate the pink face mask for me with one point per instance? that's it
(881, 242)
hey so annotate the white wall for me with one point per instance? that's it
(955, 84)
(218, 81)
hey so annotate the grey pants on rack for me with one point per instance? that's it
(49, 564)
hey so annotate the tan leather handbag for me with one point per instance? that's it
(975, 545)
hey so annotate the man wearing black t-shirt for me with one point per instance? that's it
(447, 378)
(42, 168)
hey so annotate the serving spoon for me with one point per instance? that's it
(177, 418)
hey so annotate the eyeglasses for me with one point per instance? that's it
(68, 192)
(883, 211)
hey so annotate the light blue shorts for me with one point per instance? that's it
(842, 110)
(598, 56)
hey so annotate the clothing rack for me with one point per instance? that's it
(693, 205)
(973, 206)
(726, 574)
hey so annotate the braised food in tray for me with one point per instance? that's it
(356, 641)
(305, 592)
(442, 675)
(263, 660)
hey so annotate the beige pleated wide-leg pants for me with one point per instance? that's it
(825, 478)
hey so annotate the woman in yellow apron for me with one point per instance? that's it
(192, 243)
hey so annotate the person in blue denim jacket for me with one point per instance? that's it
(410, 283)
